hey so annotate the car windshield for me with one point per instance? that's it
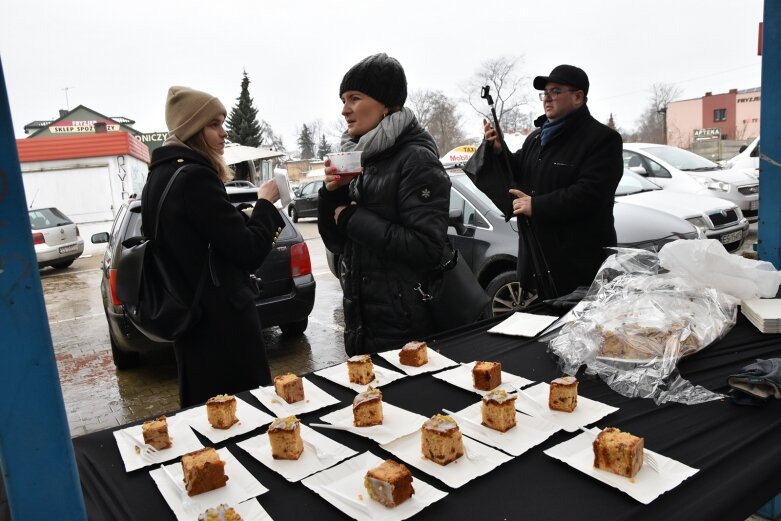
(682, 159)
(632, 183)
(47, 218)
(463, 182)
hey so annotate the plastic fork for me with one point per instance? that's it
(190, 508)
(469, 455)
(146, 449)
(647, 456)
(348, 500)
(320, 453)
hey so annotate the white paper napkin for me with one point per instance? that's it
(527, 433)
(455, 474)
(587, 411)
(241, 486)
(436, 362)
(345, 480)
(182, 437)
(396, 422)
(250, 418)
(314, 399)
(523, 324)
(338, 374)
(646, 486)
(308, 463)
(461, 376)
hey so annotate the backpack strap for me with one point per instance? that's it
(162, 197)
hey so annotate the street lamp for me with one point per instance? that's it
(663, 111)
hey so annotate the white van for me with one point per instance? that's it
(747, 160)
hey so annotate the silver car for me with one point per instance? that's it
(56, 238)
(679, 170)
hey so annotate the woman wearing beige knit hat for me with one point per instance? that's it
(204, 239)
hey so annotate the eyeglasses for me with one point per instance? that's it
(554, 93)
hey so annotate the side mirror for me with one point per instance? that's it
(742, 149)
(99, 238)
(638, 170)
(297, 192)
(455, 219)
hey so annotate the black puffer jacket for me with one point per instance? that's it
(391, 241)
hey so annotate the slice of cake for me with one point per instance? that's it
(498, 410)
(563, 394)
(360, 369)
(289, 387)
(414, 354)
(203, 470)
(156, 433)
(390, 483)
(440, 439)
(284, 435)
(221, 513)
(618, 452)
(487, 375)
(221, 411)
(367, 408)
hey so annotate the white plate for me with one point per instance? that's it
(523, 324)
(587, 411)
(314, 399)
(248, 510)
(436, 362)
(455, 474)
(338, 374)
(346, 479)
(250, 418)
(241, 486)
(461, 376)
(527, 433)
(307, 464)
(646, 486)
(396, 422)
(183, 440)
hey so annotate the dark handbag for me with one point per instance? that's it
(151, 292)
(453, 294)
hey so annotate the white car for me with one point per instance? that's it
(679, 170)
(747, 160)
(56, 238)
(715, 218)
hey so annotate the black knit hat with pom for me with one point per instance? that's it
(379, 76)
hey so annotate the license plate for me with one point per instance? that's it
(753, 205)
(69, 249)
(729, 238)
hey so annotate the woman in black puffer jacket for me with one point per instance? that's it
(389, 224)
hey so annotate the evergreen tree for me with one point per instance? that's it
(323, 148)
(306, 143)
(242, 123)
(611, 122)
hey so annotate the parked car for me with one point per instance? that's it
(717, 218)
(56, 238)
(679, 170)
(240, 183)
(489, 244)
(287, 286)
(747, 160)
(305, 202)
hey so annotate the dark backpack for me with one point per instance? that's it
(151, 292)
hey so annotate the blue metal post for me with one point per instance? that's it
(36, 453)
(769, 228)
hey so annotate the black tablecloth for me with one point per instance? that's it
(737, 449)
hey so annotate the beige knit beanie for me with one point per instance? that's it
(188, 110)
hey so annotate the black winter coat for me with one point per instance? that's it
(224, 352)
(390, 242)
(572, 181)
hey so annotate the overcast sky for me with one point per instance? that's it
(120, 58)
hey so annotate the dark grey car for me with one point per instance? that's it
(305, 203)
(489, 244)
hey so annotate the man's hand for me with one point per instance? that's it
(522, 204)
(490, 135)
(332, 179)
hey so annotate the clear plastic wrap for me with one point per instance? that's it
(636, 323)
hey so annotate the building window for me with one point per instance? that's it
(720, 115)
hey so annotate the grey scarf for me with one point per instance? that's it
(381, 137)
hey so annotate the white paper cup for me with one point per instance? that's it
(346, 163)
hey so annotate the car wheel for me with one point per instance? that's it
(293, 214)
(123, 359)
(294, 328)
(507, 295)
(62, 265)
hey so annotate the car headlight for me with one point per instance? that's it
(711, 184)
(699, 222)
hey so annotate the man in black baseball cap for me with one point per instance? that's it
(562, 180)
